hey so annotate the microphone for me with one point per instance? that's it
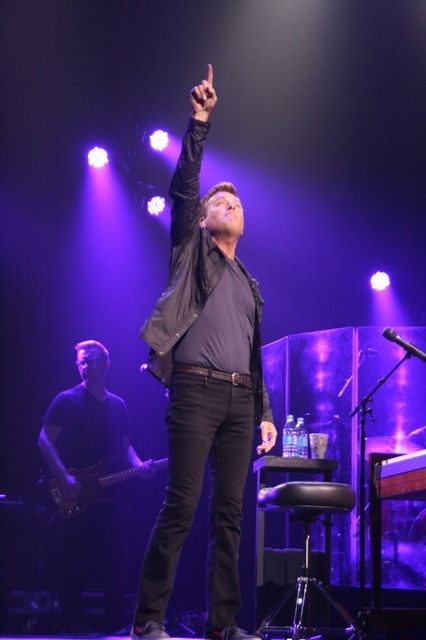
(391, 334)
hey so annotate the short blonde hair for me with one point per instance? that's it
(220, 186)
(90, 344)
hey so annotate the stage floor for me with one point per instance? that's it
(89, 636)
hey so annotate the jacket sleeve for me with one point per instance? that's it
(185, 185)
(266, 406)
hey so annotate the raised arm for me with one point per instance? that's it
(185, 184)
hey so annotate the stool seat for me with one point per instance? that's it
(308, 496)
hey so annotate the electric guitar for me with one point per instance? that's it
(94, 482)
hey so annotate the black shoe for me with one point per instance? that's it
(231, 633)
(151, 630)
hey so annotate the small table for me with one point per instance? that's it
(269, 464)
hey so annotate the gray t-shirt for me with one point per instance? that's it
(222, 337)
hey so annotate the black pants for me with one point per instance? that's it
(90, 551)
(207, 419)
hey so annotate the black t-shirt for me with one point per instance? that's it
(222, 337)
(91, 429)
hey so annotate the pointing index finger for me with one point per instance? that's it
(210, 74)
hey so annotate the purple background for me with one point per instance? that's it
(320, 123)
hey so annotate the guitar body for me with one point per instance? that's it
(91, 490)
(95, 483)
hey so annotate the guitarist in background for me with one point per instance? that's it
(81, 427)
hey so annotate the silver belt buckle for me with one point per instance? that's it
(233, 382)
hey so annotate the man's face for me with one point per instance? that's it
(224, 214)
(92, 365)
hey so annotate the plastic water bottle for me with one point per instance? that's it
(289, 438)
(302, 438)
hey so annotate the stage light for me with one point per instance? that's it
(156, 205)
(159, 140)
(97, 157)
(380, 281)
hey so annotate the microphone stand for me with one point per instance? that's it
(363, 409)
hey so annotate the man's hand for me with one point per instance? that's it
(203, 97)
(69, 485)
(147, 468)
(269, 437)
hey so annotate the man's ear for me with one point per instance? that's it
(203, 222)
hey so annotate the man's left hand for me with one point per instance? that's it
(146, 467)
(269, 437)
(203, 97)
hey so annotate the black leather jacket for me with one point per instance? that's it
(196, 266)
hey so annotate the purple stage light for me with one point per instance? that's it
(159, 140)
(380, 281)
(156, 205)
(97, 157)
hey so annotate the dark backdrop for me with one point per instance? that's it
(321, 124)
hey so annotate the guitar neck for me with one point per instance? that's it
(133, 472)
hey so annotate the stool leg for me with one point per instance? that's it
(302, 585)
(345, 615)
(307, 564)
(302, 589)
(277, 608)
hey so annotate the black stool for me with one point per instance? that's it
(307, 501)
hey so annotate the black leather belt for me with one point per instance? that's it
(236, 379)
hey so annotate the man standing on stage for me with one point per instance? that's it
(205, 345)
(83, 426)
